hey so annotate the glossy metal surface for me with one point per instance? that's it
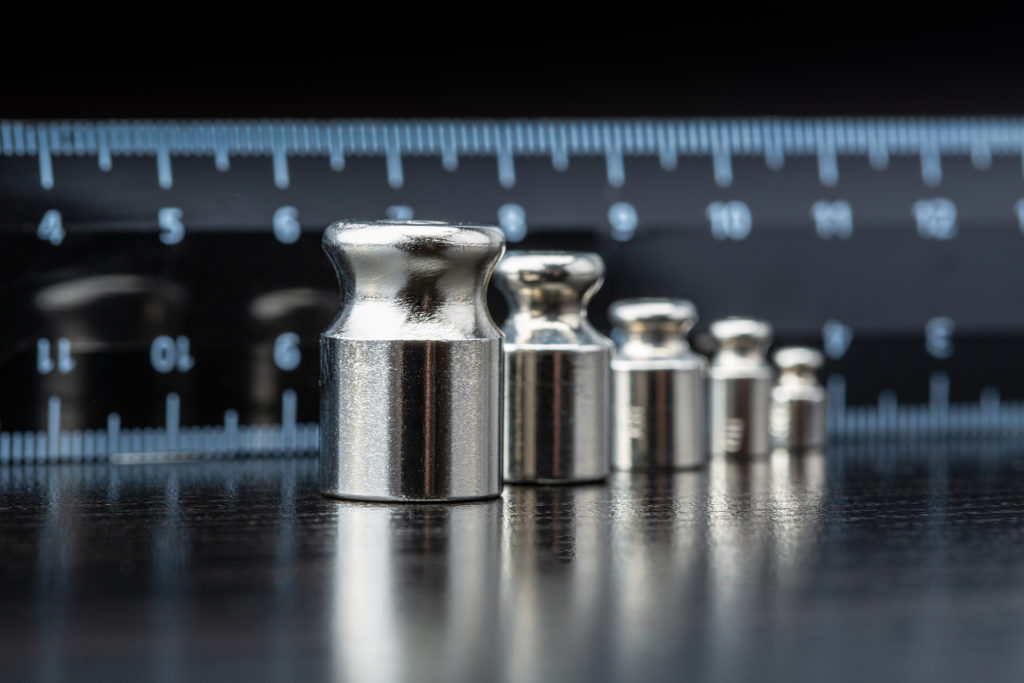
(410, 370)
(739, 388)
(798, 400)
(658, 386)
(882, 564)
(556, 426)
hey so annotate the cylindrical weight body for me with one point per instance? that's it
(798, 421)
(659, 416)
(411, 367)
(739, 409)
(556, 414)
(556, 369)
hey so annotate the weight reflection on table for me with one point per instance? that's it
(570, 583)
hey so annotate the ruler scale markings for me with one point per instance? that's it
(113, 434)
(45, 161)
(30, 140)
(774, 156)
(722, 166)
(19, 138)
(89, 445)
(77, 445)
(53, 427)
(667, 151)
(614, 169)
(336, 148)
(828, 169)
(103, 156)
(477, 137)
(878, 150)
(931, 164)
(288, 418)
(449, 155)
(172, 419)
(394, 163)
(559, 142)
(73, 137)
(506, 165)
(231, 430)
(221, 142)
(426, 135)
(163, 165)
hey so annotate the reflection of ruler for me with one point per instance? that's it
(171, 441)
(988, 417)
(885, 422)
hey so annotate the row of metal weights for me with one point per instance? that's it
(423, 398)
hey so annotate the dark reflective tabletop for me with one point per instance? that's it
(879, 564)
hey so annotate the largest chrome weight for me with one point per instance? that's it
(410, 370)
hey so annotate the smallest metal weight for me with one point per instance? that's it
(798, 411)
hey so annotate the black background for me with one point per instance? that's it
(505, 61)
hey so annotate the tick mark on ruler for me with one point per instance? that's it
(163, 167)
(449, 159)
(173, 420)
(103, 151)
(938, 392)
(721, 162)
(289, 412)
(336, 149)
(931, 166)
(45, 161)
(615, 168)
(981, 156)
(281, 178)
(393, 158)
(53, 427)
(506, 169)
(221, 160)
(667, 148)
(560, 159)
(828, 167)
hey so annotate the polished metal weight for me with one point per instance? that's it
(410, 369)
(658, 386)
(739, 388)
(798, 409)
(556, 369)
